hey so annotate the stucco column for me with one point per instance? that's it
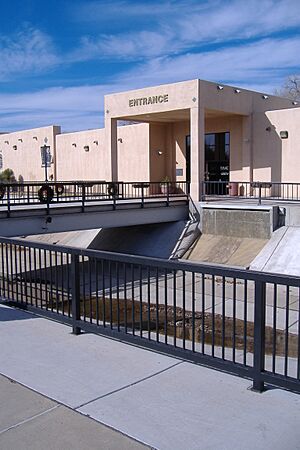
(111, 147)
(247, 149)
(197, 125)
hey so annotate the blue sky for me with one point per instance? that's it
(58, 58)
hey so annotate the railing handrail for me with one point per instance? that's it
(210, 269)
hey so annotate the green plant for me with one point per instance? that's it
(166, 179)
(7, 176)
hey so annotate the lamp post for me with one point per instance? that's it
(46, 159)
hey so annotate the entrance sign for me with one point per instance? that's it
(149, 100)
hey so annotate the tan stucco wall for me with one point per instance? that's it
(287, 120)
(26, 159)
(133, 152)
(74, 163)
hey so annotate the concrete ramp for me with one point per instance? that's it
(79, 239)
(156, 240)
(229, 250)
(281, 254)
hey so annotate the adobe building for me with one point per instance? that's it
(200, 130)
(193, 130)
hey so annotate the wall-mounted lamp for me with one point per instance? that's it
(294, 103)
(120, 140)
(264, 97)
(269, 129)
(6, 142)
(159, 152)
(35, 138)
(237, 91)
(96, 142)
(15, 147)
(74, 144)
(220, 88)
(284, 134)
(194, 99)
(86, 148)
(20, 140)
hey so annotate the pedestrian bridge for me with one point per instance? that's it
(47, 207)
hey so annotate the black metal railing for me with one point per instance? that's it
(240, 321)
(258, 190)
(14, 195)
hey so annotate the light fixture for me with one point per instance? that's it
(159, 152)
(284, 134)
(237, 91)
(194, 99)
(269, 129)
(294, 103)
(220, 87)
(15, 147)
(35, 138)
(86, 148)
(20, 140)
(107, 111)
(74, 144)
(96, 142)
(120, 140)
(6, 142)
(264, 96)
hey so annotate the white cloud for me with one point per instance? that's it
(187, 25)
(26, 52)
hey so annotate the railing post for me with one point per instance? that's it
(8, 200)
(82, 197)
(259, 193)
(143, 196)
(168, 193)
(259, 335)
(75, 290)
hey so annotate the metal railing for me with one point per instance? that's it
(239, 321)
(14, 195)
(258, 190)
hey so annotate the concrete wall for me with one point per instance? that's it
(21, 152)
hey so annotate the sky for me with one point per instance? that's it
(59, 58)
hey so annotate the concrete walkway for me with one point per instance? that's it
(30, 421)
(158, 400)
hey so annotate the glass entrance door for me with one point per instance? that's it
(217, 154)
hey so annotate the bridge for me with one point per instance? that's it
(48, 207)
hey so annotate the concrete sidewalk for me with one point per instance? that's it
(158, 400)
(30, 421)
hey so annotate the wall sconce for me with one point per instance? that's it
(159, 152)
(35, 138)
(284, 134)
(15, 147)
(220, 88)
(120, 140)
(294, 103)
(86, 148)
(96, 142)
(74, 144)
(6, 142)
(194, 99)
(20, 140)
(265, 97)
(237, 91)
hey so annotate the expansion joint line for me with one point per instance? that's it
(29, 419)
(129, 385)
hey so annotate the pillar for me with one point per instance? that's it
(111, 147)
(197, 127)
